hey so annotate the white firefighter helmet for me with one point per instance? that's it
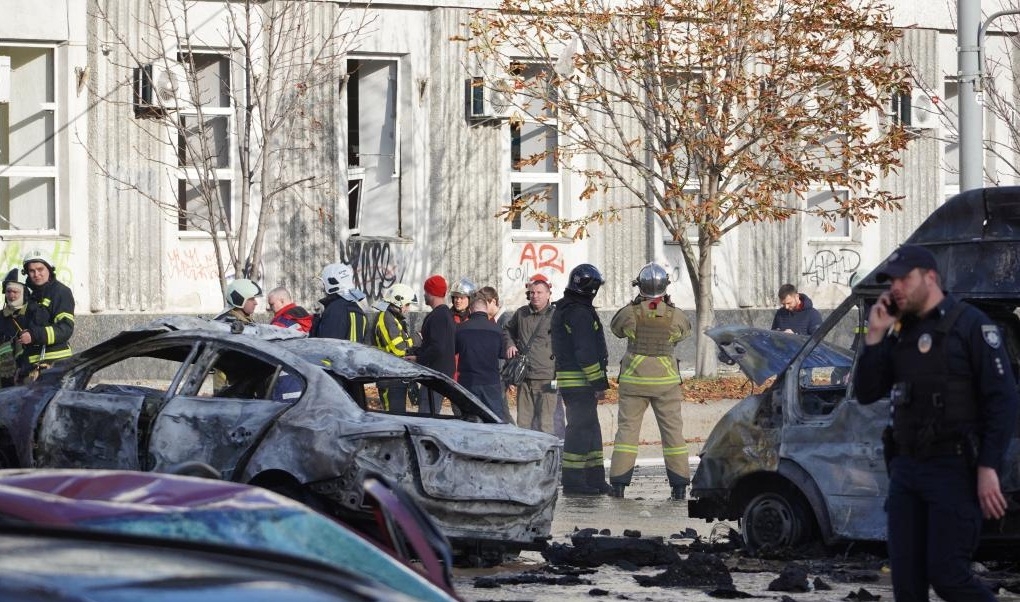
(241, 290)
(36, 256)
(400, 295)
(338, 278)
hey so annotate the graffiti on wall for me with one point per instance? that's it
(59, 253)
(534, 259)
(374, 263)
(832, 267)
(192, 264)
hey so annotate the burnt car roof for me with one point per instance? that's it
(354, 361)
(974, 238)
(762, 353)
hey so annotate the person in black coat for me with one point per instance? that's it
(480, 345)
(438, 342)
(342, 317)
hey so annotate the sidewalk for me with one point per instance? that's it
(699, 420)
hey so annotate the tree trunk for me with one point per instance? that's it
(706, 363)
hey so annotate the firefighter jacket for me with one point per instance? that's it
(340, 319)
(579, 344)
(391, 334)
(51, 326)
(234, 314)
(652, 328)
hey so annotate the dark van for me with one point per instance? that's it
(803, 460)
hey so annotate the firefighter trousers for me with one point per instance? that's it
(631, 411)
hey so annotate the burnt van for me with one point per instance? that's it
(803, 460)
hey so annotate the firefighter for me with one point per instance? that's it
(392, 336)
(579, 346)
(649, 376)
(47, 337)
(241, 302)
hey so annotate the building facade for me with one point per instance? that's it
(407, 183)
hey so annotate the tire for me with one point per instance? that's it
(776, 520)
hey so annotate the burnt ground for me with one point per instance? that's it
(645, 548)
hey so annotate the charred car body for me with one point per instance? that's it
(290, 414)
(803, 460)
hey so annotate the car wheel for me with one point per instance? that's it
(775, 520)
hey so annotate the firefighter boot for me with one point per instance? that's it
(617, 490)
(678, 493)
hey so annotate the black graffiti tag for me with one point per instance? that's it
(373, 264)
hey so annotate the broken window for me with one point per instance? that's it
(373, 148)
(237, 375)
(824, 383)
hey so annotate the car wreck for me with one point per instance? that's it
(295, 415)
(802, 460)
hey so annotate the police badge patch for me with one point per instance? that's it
(924, 343)
(990, 332)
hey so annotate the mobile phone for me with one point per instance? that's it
(891, 308)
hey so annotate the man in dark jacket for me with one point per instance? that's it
(797, 314)
(579, 346)
(438, 341)
(47, 337)
(537, 400)
(480, 346)
(342, 317)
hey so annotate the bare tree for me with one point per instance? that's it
(202, 70)
(706, 114)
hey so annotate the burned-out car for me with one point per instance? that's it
(291, 414)
(802, 460)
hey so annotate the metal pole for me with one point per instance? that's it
(968, 16)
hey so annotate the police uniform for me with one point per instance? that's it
(391, 335)
(579, 348)
(954, 407)
(648, 375)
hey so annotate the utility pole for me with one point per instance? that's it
(968, 17)
(971, 42)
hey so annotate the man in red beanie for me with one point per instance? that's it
(437, 341)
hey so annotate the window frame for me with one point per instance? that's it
(556, 179)
(189, 176)
(51, 172)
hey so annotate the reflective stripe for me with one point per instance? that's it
(623, 448)
(51, 336)
(569, 379)
(674, 451)
(50, 355)
(64, 316)
(589, 460)
(391, 344)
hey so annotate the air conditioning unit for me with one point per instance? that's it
(162, 86)
(490, 99)
(924, 115)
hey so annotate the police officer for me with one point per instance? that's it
(579, 346)
(648, 375)
(944, 366)
(47, 338)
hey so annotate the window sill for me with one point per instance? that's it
(535, 236)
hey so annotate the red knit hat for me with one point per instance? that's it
(436, 286)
